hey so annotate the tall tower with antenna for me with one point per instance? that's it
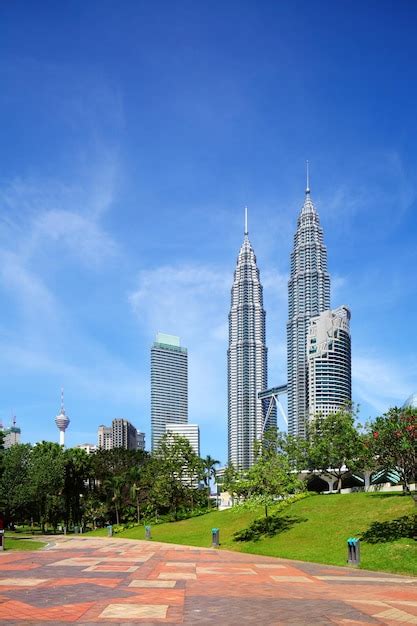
(308, 296)
(62, 421)
(246, 358)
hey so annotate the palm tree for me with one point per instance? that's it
(209, 465)
(134, 488)
(115, 485)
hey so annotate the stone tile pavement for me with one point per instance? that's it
(102, 580)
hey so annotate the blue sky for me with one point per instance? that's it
(132, 136)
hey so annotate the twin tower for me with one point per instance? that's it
(318, 343)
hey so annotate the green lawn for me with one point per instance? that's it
(321, 526)
(14, 541)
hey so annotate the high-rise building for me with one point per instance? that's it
(308, 296)
(11, 434)
(104, 437)
(169, 385)
(188, 431)
(140, 440)
(121, 434)
(246, 359)
(124, 434)
(329, 362)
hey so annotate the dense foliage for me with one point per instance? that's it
(50, 486)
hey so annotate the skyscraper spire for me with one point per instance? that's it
(246, 221)
(308, 178)
(308, 296)
(246, 358)
(62, 401)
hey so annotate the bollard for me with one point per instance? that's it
(354, 553)
(109, 530)
(2, 537)
(148, 533)
(215, 537)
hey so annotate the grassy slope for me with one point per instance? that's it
(321, 526)
(25, 543)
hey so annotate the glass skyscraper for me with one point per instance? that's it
(169, 385)
(246, 359)
(308, 296)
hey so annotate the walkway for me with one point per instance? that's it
(99, 581)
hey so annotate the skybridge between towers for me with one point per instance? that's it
(270, 402)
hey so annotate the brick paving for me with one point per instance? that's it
(101, 580)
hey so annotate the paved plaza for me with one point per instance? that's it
(115, 581)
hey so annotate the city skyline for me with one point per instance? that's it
(130, 146)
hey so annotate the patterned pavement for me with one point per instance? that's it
(99, 580)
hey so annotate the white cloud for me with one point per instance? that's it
(186, 300)
(79, 235)
(382, 384)
(101, 375)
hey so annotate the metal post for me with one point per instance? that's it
(2, 537)
(215, 537)
(110, 530)
(354, 552)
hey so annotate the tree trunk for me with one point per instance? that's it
(339, 484)
(138, 509)
(117, 514)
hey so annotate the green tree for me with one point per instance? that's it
(77, 474)
(334, 444)
(394, 443)
(114, 487)
(272, 476)
(178, 469)
(209, 470)
(47, 475)
(16, 494)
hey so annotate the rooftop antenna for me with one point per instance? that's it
(246, 220)
(308, 178)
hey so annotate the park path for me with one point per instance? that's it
(116, 581)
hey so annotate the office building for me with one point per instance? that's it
(308, 296)
(121, 434)
(246, 359)
(169, 385)
(124, 434)
(140, 440)
(329, 362)
(104, 437)
(191, 432)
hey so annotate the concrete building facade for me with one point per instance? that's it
(329, 362)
